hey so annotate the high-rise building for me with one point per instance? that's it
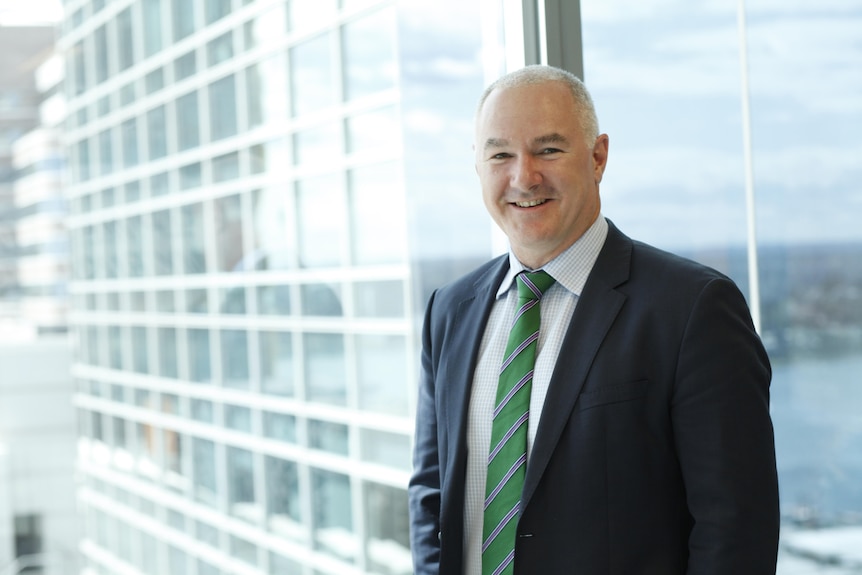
(249, 271)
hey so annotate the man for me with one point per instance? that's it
(649, 445)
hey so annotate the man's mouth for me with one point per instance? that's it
(530, 204)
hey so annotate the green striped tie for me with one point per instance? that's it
(507, 460)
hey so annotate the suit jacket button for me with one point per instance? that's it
(439, 536)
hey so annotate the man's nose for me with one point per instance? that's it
(525, 173)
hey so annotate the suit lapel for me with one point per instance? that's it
(596, 310)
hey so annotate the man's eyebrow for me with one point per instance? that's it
(554, 138)
(496, 143)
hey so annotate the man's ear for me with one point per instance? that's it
(600, 156)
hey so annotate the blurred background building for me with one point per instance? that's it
(260, 196)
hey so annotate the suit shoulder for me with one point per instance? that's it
(668, 266)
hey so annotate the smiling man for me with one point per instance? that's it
(588, 404)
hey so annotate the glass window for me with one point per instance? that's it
(207, 533)
(283, 503)
(304, 15)
(280, 564)
(266, 88)
(165, 301)
(185, 66)
(100, 40)
(321, 300)
(154, 81)
(238, 418)
(106, 153)
(232, 300)
(368, 48)
(177, 560)
(267, 28)
(196, 301)
(333, 517)
(240, 480)
(202, 410)
(223, 117)
(162, 243)
(79, 68)
(229, 234)
(188, 126)
(317, 144)
(159, 185)
(184, 18)
(387, 528)
(312, 81)
(226, 167)
(128, 93)
(132, 192)
(194, 248)
(385, 448)
(103, 106)
(379, 299)
(125, 39)
(134, 246)
(156, 133)
(129, 132)
(199, 355)
(243, 550)
(190, 176)
(279, 426)
(152, 28)
(216, 9)
(325, 370)
(276, 362)
(381, 372)
(275, 242)
(140, 349)
(378, 214)
(168, 361)
(234, 354)
(328, 436)
(115, 347)
(273, 300)
(204, 568)
(375, 131)
(111, 263)
(204, 462)
(322, 221)
(84, 160)
(220, 49)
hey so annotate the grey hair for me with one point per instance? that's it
(539, 74)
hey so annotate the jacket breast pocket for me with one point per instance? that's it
(609, 394)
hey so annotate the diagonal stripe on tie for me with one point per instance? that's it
(507, 454)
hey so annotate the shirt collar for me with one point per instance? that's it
(571, 268)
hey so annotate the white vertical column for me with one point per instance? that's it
(751, 240)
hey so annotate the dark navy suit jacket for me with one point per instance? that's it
(654, 454)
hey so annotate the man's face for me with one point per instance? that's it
(540, 180)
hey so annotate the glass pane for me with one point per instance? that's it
(283, 503)
(266, 88)
(129, 133)
(328, 436)
(240, 479)
(159, 185)
(168, 366)
(368, 47)
(325, 375)
(196, 301)
(275, 244)
(322, 300)
(125, 39)
(232, 300)
(185, 66)
(216, 9)
(199, 355)
(162, 243)
(154, 81)
(100, 41)
(194, 250)
(153, 26)
(375, 131)
(387, 529)
(184, 18)
(322, 221)
(273, 300)
(279, 426)
(267, 28)
(229, 234)
(276, 362)
(134, 245)
(204, 461)
(140, 348)
(333, 518)
(157, 133)
(109, 230)
(106, 153)
(384, 448)
(234, 353)
(223, 116)
(379, 299)
(379, 215)
(317, 145)
(238, 418)
(312, 81)
(381, 373)
(188, 130)
(220, 49)
(226, 167)
(190, 176)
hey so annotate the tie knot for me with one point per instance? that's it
(531, 285)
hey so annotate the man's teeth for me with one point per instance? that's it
(529, 204)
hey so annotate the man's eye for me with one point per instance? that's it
(501, 156)
(547, 151)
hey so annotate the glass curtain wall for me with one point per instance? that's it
(261, 190)
(666, 80)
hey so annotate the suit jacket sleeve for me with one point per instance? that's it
(724, 437)
(424, 488)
